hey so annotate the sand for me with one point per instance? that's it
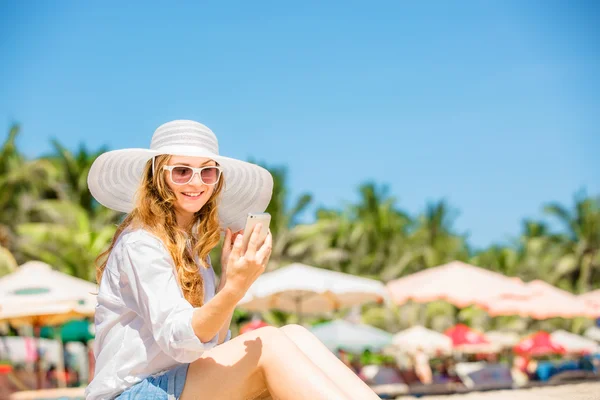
(581, 391)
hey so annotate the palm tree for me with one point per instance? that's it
(581, 239)
(367, 238)
(22, 183)
(433, 239)
(541, 255)
(8, 263)
(284, 216)
(502, 259)
(325, 242)
(73, 169)
(380, 229)
(66, 237)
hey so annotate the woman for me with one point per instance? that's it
(162, 327)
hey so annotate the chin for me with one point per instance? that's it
(196, 210)
(192, 209)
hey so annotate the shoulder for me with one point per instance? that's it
(136, 235)
(131, 238)
(139, 247)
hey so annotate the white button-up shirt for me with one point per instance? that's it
(143, 322)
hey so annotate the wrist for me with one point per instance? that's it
(222, 282)
(233, 291)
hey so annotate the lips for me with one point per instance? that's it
(192, 195)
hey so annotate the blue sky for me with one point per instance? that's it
(491, 105)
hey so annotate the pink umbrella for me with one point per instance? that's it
(457, 283)
(465, 339)
(545, 301)
(538, 344)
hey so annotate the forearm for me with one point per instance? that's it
(225, 329)
(210, 319)
(227, 324)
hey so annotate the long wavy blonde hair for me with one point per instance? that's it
(155, 212)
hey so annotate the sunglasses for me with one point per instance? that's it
(182, 174)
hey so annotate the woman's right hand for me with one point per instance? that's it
(244, 267)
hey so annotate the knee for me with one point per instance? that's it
(269, 334)
(303, 338)
(295, 330)
(274, 341)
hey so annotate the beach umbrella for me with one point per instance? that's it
(467, 340)
(72, 331)
(303, 289)
(457, 283)
(418, 337)
(36, 295)
(538, 344)
(544, 301)
(351, 337)
(573, 343)
(505, 340)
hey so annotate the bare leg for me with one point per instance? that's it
(250, 364)
(316, 351)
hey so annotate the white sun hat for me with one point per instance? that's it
(116, 175)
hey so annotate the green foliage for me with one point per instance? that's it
(65, 237)
(8, 263)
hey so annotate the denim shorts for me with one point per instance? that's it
(164, 386)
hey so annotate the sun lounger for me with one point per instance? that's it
(435, 389)
(570, 376)
(390, 390)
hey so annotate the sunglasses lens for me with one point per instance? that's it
(210, 175)
(181, 174)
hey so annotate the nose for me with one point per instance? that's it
(196, 179)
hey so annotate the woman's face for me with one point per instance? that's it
(191, 196)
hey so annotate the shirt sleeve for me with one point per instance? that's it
(155, 295)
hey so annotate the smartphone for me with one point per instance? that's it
(254, 218)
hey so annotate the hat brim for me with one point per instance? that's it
(115, 177)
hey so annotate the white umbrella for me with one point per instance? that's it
(37, 295)
(574, 343)
(504, 340)
(303, 289)
(354, 338)
(431, 342)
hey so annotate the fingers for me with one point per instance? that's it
(235, 235)
(263, 254)
(236, 252)
(227, 242)
(253, 244)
